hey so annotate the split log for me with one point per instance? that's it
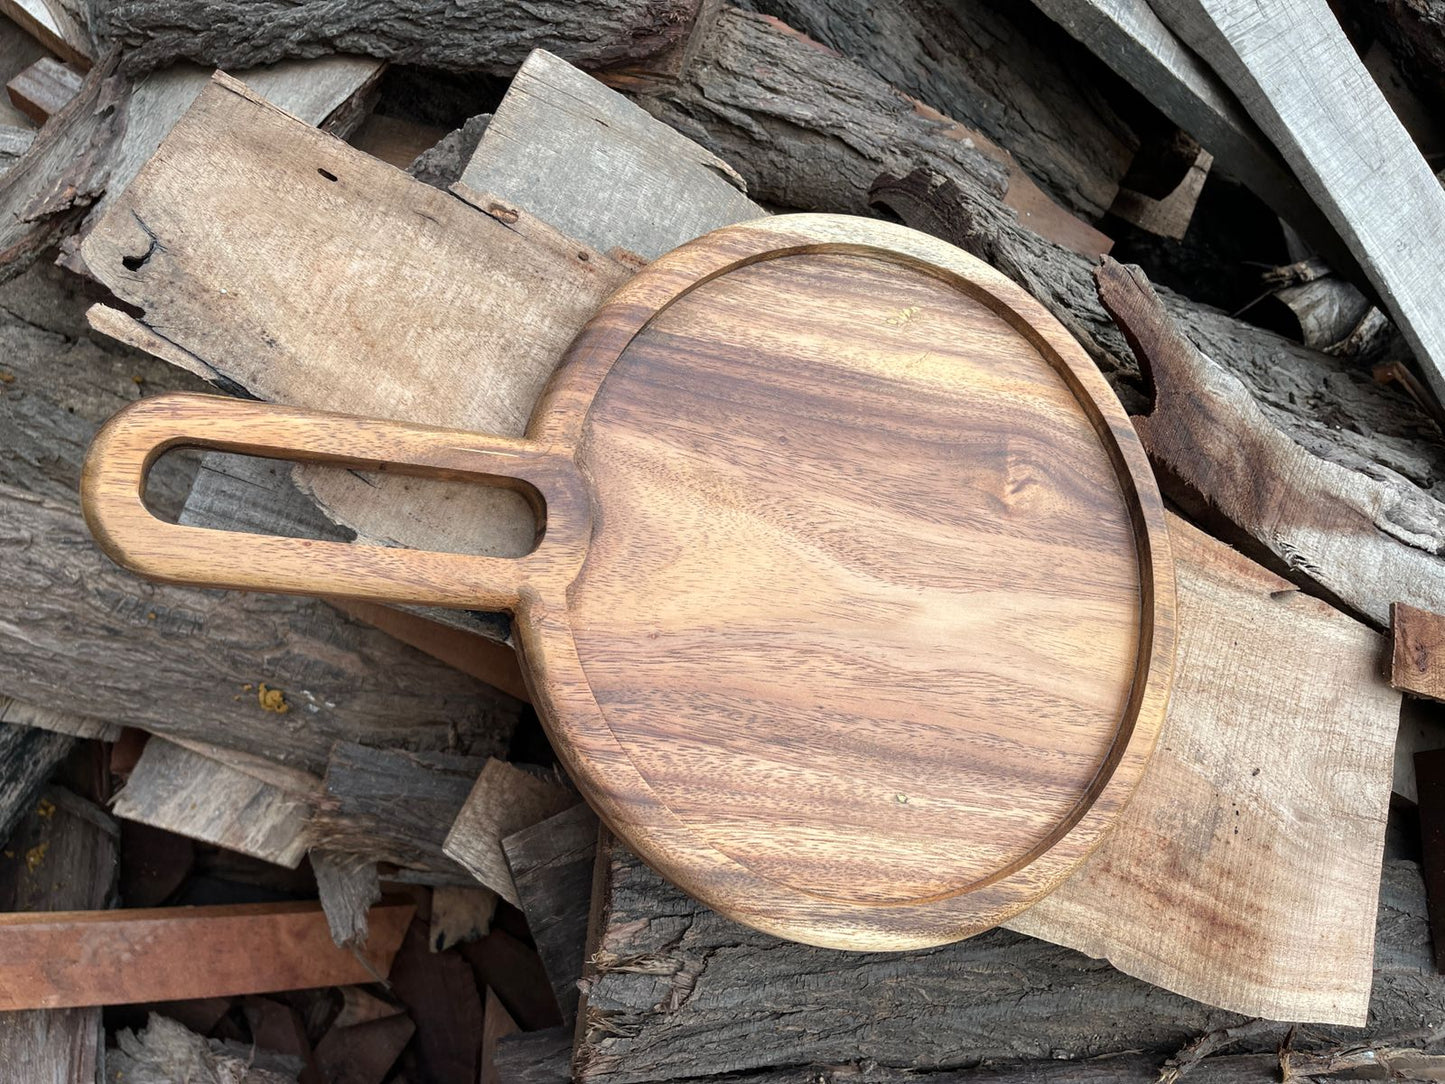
(505, 799)
(349, 887)
(80, 958)
(1351, 153)
(393, 806)
(29, 756)
(492, 37)
(752, 80)
(997, 67)
(1130, 38)
(179, 661)
(73, 845)
(672, 985)
(552, 864)
(1365, 539)
(44, 88)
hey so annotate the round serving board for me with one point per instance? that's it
(852, 610)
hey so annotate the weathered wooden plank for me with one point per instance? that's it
(44, 88)
(18, 50)
(1350, 151)
(552, 864)
(29, 756)
(1417, 657)
(593, 133)
(77, 726)
(348, 886)
(63, 857)
(54, 26)
(1261, 819)
(78, 958)
(201, 798)
(672, 985)
(505, 799)
(492, 37)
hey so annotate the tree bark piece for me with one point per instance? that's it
(1417, 663)
(505, 799)
(492, 37)
(44, 89)
(670, 983)
(29, 756)
(862, 127)
(193, 795)
(348, 887)
(1351, 153)
(1261, 818)
(999, 68)
(73, 844)
(552, 864)
(594, 131)
(55, 960)
(1365, 540)
(393, 806)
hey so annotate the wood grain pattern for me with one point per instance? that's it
(64, 959)
(1417, 659)
(51, 24)
(919, 793)
(1348, 148)
(44, 88)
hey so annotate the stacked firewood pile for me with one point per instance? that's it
(408, 212)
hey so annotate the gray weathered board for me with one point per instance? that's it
(1301, 80)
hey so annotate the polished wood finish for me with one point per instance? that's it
(852, 607)
(63, 959)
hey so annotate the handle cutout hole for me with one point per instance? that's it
(255, 495)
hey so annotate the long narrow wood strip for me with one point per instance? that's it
(1348, 148)
(76, 958)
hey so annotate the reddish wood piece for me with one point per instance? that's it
(71, 958)
(1417, 664)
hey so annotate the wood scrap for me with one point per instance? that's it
(154, 864)
(999, 68)
(460, 914)
(863, 127)
(55, 26)
(1430, 784)
(392, 805)
(1417, 661)
(1130, 38)
(18, 50)
(1170, 215)
(1351, 153)
(278, 1029)
(13, 143)
(166, 1051)
(360, 1007)
(664, 970)
(509, 967)
(594, 34)
(182, 791)
(552, 864)
(505, 800)
(77, 726)
(73, 845)
(540, 1057)
(497, 1024)
(597, 132)
(1412, 31)
(44, 88)
(52, 960)
(441, 995)
(1235, 719)
(363, 1053)
(441, 166)
(1366, 540)
(349, 887)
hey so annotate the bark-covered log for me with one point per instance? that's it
(676, 991)
(1002, 68)
(82, 636)
(492, 36)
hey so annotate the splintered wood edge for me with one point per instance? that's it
(601, 766)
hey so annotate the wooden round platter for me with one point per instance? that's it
(851, 609)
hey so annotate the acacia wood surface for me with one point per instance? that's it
(794, 459)
(73, 958)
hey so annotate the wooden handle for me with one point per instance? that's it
(113, 484)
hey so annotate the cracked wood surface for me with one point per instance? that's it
(490, 36)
